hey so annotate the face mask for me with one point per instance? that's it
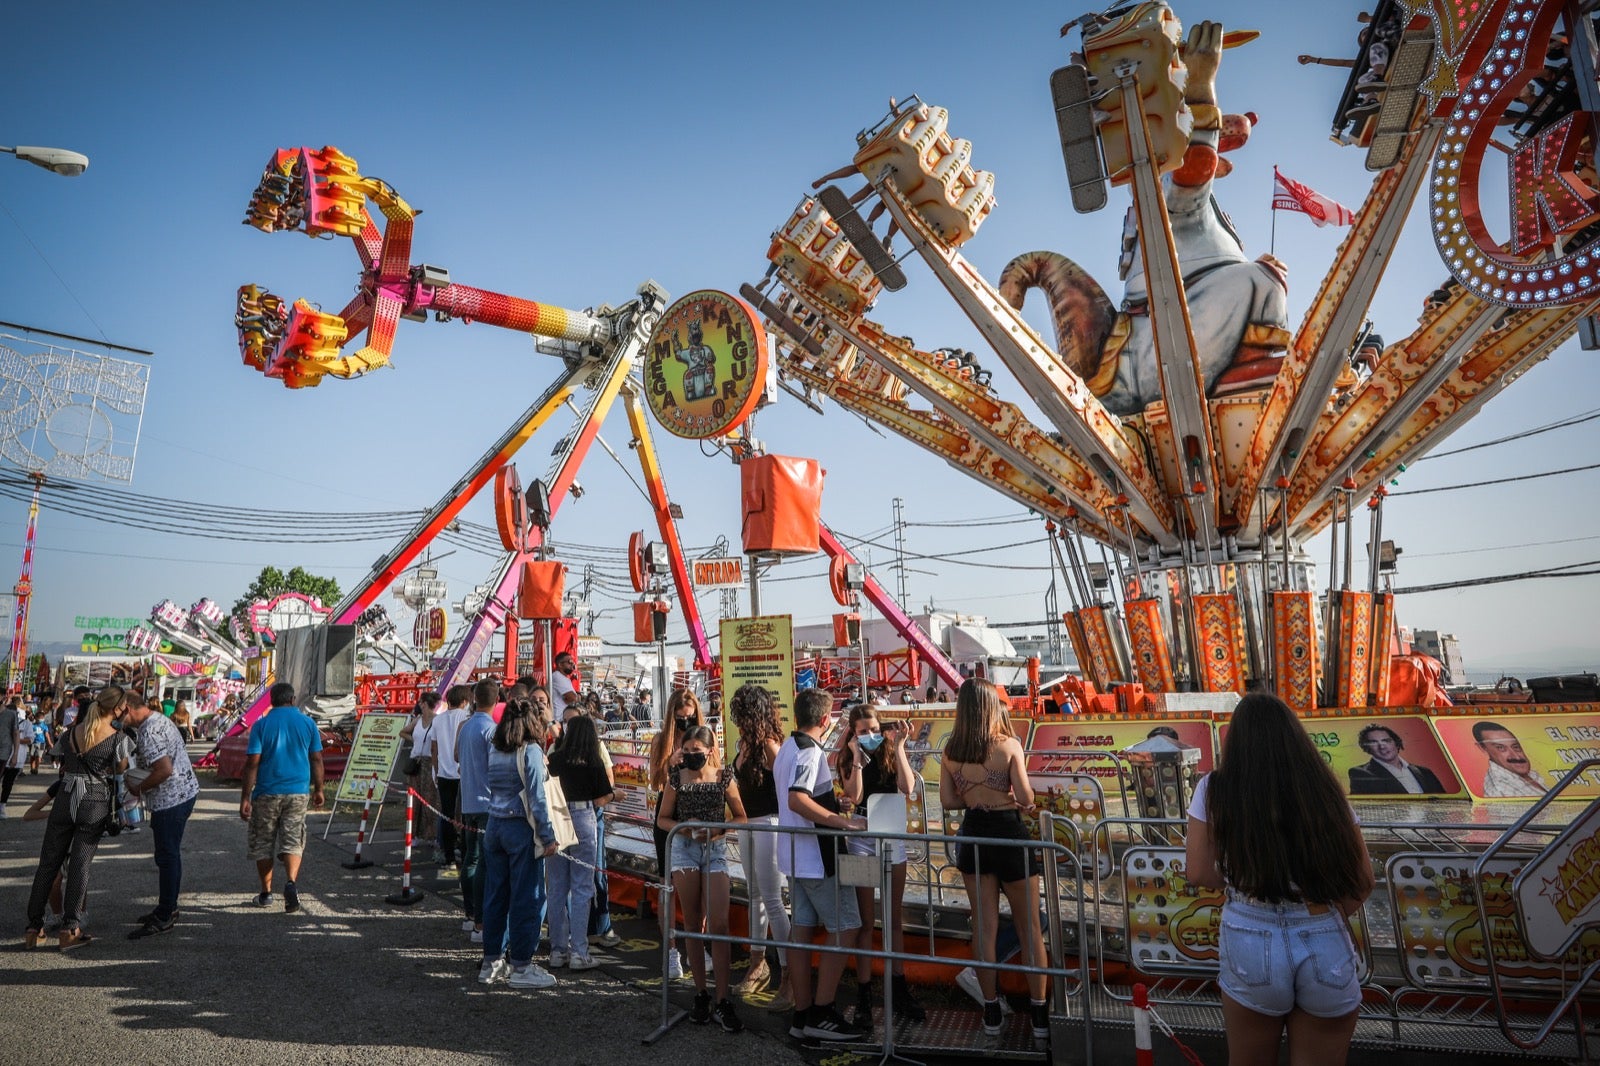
(870, 741)
(694, 760)
(684, 724)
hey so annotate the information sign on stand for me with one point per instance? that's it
(372, 756)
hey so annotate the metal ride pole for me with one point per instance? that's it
(1374, 544)
(1349, 535)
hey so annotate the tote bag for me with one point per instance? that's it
(555, 801)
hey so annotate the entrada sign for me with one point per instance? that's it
(718, 573)
(1484, 54)
(706, 365)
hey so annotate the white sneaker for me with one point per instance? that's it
(532, 976)
(967, 979)
(466, 925)
(2, 810)
(494, 971)
(674, 966)
(476, 936)
(608, 939)
(582, 962)
(558, 959)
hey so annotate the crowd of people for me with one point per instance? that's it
(520, 778)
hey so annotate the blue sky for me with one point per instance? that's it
(566, 153)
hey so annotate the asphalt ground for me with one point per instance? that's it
(348, 979)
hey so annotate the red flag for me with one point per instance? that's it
(1290, 195)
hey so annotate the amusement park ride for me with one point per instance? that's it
(1191, 430)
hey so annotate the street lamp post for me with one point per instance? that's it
(61, 161)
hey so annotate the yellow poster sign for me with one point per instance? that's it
(1513, 753)
(372, 756)
(758, 651)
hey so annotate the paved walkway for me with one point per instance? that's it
(349, 979)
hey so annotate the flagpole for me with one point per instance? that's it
(1272, 249)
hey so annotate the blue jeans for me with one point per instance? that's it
(471, 875)
(572, 888)
(513, 890)
(167, 826)
(600, 913)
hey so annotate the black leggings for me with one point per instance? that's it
(7, 779)
(71, 843)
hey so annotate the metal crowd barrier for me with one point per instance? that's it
(1431, 978)
(1066, 981)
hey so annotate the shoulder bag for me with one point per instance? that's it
(555, 803)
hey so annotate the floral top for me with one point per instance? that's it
(159, 739)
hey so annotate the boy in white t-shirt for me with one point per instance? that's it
(802, 775)
(447, 770)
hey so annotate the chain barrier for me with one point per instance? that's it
(416, 797)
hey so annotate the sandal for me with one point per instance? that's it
(31, 938)
(73, 938)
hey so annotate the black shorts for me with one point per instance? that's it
(1007, 863)
(660, 836)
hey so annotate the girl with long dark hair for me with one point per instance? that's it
(517, 840)
(1272, 827)
(585, 775)
(755, 717)
(985, 772)
(872, 761)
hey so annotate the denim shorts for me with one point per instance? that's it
(821, 901)
(1277, 956)
(709, 855)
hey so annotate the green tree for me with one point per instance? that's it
(272, 581)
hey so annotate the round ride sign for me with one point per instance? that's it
(706, 365)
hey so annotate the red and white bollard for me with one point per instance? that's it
(407, 894)
(358, 863)
(1143, 1053)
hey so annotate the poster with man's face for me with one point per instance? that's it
(1521, 756)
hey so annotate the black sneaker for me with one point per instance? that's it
(152, 917)
(153, 927)
(701, 1012)
(797, 1024)
(261, 899)
(992, 1018)
(291, 898)
(905, 1004)
(725, 1016)
(826, 1023)
(861, 1016)
(1041, 1021)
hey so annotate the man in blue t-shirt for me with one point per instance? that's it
(282, 771)
(472, 751)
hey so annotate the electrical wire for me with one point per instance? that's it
(1574, 420)
(1567, 570)
(1498, 481)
